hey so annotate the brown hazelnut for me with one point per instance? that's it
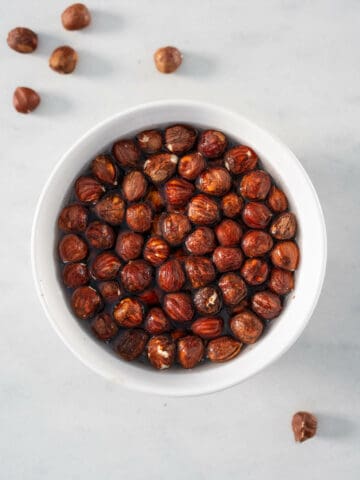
(246, 327)
(25, 100)
(255, 185)
(170, 276)
(75, 275)
(104, 326)
(72, 248)
(100, 235)
(256, 215)
(110, 290)
(161, 351)
(199, 270)
(233, 288)
(207, 327)
(281, 281)
(190, 351)
(266, 304)
(156, 225)
(126, 153)
(284, 226)
(201, 241)
(76, 17)
(155, 200)
(203, 210)
(255, 271)
(167, 59)
(179, 138)
(134, 186)
(212, 143)
(160, 167)
(128, 313)
(88, 189)
(104, 170)
(136, 276)
(256, 243)
(156, 251)
(111, 209)
(277, 200)
(129, 245)
(228, 233)
(178, 333)
(105, 266)
(85, 302)
(150, 297)
(150, 141)
(178, 306)
(177, 192)
(139, 217)
(191, 165)
(227, 258)
(214, 181)
(240, 307)
(22, 40)
(240, 159)
(207, 301)
(131, 344)
(231, 205)
(223, 349)
(73, 218)
(63, 59)
(304, 425)
(156, 321)
(175, 227)
(285, 255)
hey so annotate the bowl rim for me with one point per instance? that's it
(158, 389)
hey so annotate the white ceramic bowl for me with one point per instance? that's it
(287, 172)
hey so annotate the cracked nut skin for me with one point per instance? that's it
(131, 344)
(139, 217)
(167, 59)
(199, 270)
(136, 276)
(201, 241)
(85, 302)
(88, 190)
(134, 186)
(231, 205)
(179, 139)
(174, 227)
(25, 100)
(75, 275)
(256, 215)
(228, 233)
(281, 281)
(128, 312)
(156, 321)
(207, 301)
(150, 141)
(73, 218)
(155, 200)
(105, 266)
(110, 290)
(177, 192)
(285, 255)
(104, 170)
(170, 276)
(76, 17)
(256, 243)
(22, 40)
(233, 288)
(160, 167)
(266, 304)
(178, 306)
(126, 153)
(277, 200)
(129, 245)
(255, 185)
(203, 210)
(304, 426)
(212, 143)
(72, 248)
(111, 209)
(284, 226)
(156, 251)
(227, 258)
(207, 327)
(161, 351)
(191, 165)
(214, 181)
(240, 159)
(190, 351)
(63, 59)
(255, 271)
(100, 235)
(246, 327)
(223, 349)
(104, 326)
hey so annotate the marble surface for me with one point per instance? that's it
(291, 66)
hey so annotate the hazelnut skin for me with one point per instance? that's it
(22, 40)
(191, 165)
(136, 276)
(167, 59)
(212, 143)
(156, 321)
(156, 251)
(150, 297)
(178, 306)
(110, 290)
(277, 200)
(75, 275)
(228, 233)
(85, 302)
(105, 266)
(199, 270)
(284, 226)
(175, 227)
(207, 301)
(76, 17)
(177, 192)
(246, 327)
(190, 351)
(256, 243)
(255, 185)
(178, 333)
(88, 189)
(203, 210)
(223, 349)
(156, 225)
(201, 241)
(227, 258)
(128, 313)
(131, 344)
(104, 170)
(255, 271)
(72, 248)
(233, 288)
(214, 181)
(134, 186)
(266, 304)
(63, 60)
(155, 200)
(240, 159)
(25, 100)
(179, 139)
(207, 327)
(111, 209)
(150, 141)
(231, 205)
(161, 351)
(170, 276)
(139, 217)
(256, 215)
(100, 235)
(160, 167)
(129, 245)
(126, 153)
(285, 255)
(281, 281)
(73, 218)
(104, 327)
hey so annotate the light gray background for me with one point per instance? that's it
(293, 67)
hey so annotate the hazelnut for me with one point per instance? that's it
(110, 290)
(167, 59)
(170, 276)
(25, 100)
(304, 425)
(212, 143)
(134, 186)
(233, 288)
(155, 200)
(266, 304)
(255, 271)
(76, 17)
(73, 218)
(179, 138)
(156, 321)
(207, 301)
(63, 59)
(75, 275)
(129, 245)
(281, 281)
(136, 276)
(178, 333)
(178, 306)
(223, 349)
(126, 153)
(256, 243)
(207, 327)
(88, 189)
(85, 302)
(201, 241)
(156, 225)
(150, 141)
(72, 248)
(105, 266)
(111, 209)
(284, 226)
(177, 192)
(150, 297)
(214, 181)
(161, 351)
(175, 227)
(104, 170)
(256, 215)
(104, 326)
(22, 40)
(277, 200)
(100, 235)
(128, 313)
(156, 251)
(240, 307)
(203, 210)
(240, 159)
(285, 255)
(255, 185)
(228, 233)
(199, 270)
(190, 351)
(139, 217)
(227, 258)
(160, 167)
(231, 205)
(191, 165)
(246, 327)
(131, 344)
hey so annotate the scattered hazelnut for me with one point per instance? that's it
(73, 218)
(207, 301)
(178, 306)
(76, 17)
(85, 302)
(304, 425)
(156, 321)
(156, 251)
(170, 276)
(191, 165)
(111, 209)
(175, 227)
(179, 139)
(104, 170)
(126, 153)
(63, 59)
(277, 200)
(105, 266)
(150, 297)
(150, 141)
(281, 281)
(155, 200)
(233, 288)
(134, 186)
(285, 255)
(22, 40)
(266, 304)
(128, 313)
(72, 248)
(256, 243)
(131, 344)
(284, 226)
(246, 327)
(177, 192)
(222, 349)
(100, 235)
(256, 215)
(136, 276)
(212, 143)
(104, 326)
(214, 181)
(207, 327)
(227, 258)
(160, 167)
(203, 210)
(201, 241)
(139, 217)
(240, 159)
(129, 245)
(161, 351)
(25, 100)
(228, 233)
(199, 270)
(231, 205)
(167, 59)
(110, 290)
(190, 351)
(255, 271)
(75, 275)
(88, 189)
(255, 185)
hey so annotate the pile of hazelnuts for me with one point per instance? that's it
(177, 247)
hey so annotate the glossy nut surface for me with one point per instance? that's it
(88, 189)
(284, 226)
(285, 255)
(177, 192)
(212, 143)
(111, 209)
(25, 99)
(161, 351)
(104, 170)
(170, 276)
(199, 270)
(85, 302)
(191, 165)
(156, 250)
(134, 186)
(203, 210)
(179, 138)
(190, 351)
(277, 200)
(233, 288)
(178, 306)
(110, 290)
(231, 205)
(76, 17)
(214, 181)
(255, 185)
(72, 248)
(256, 215)
(255, 271)
(227, 258)
(281, 281)
(22, 40)
(246, 327)
(174, 227)
(126, 153)
(139, 217)
(228, 233)
(223, 349)
(266, 304)
(136, 276)
(75, 275)
(105, 266)
(129, 245)
(240, 159)
(128, 312)
(207, 327)
(73, 218)
(201, 241)
(149, 141)
(207, 301)
(63, 59)
(160, 167)
(156, 321)
(167, 59)
(100, 235)
(256, 243)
